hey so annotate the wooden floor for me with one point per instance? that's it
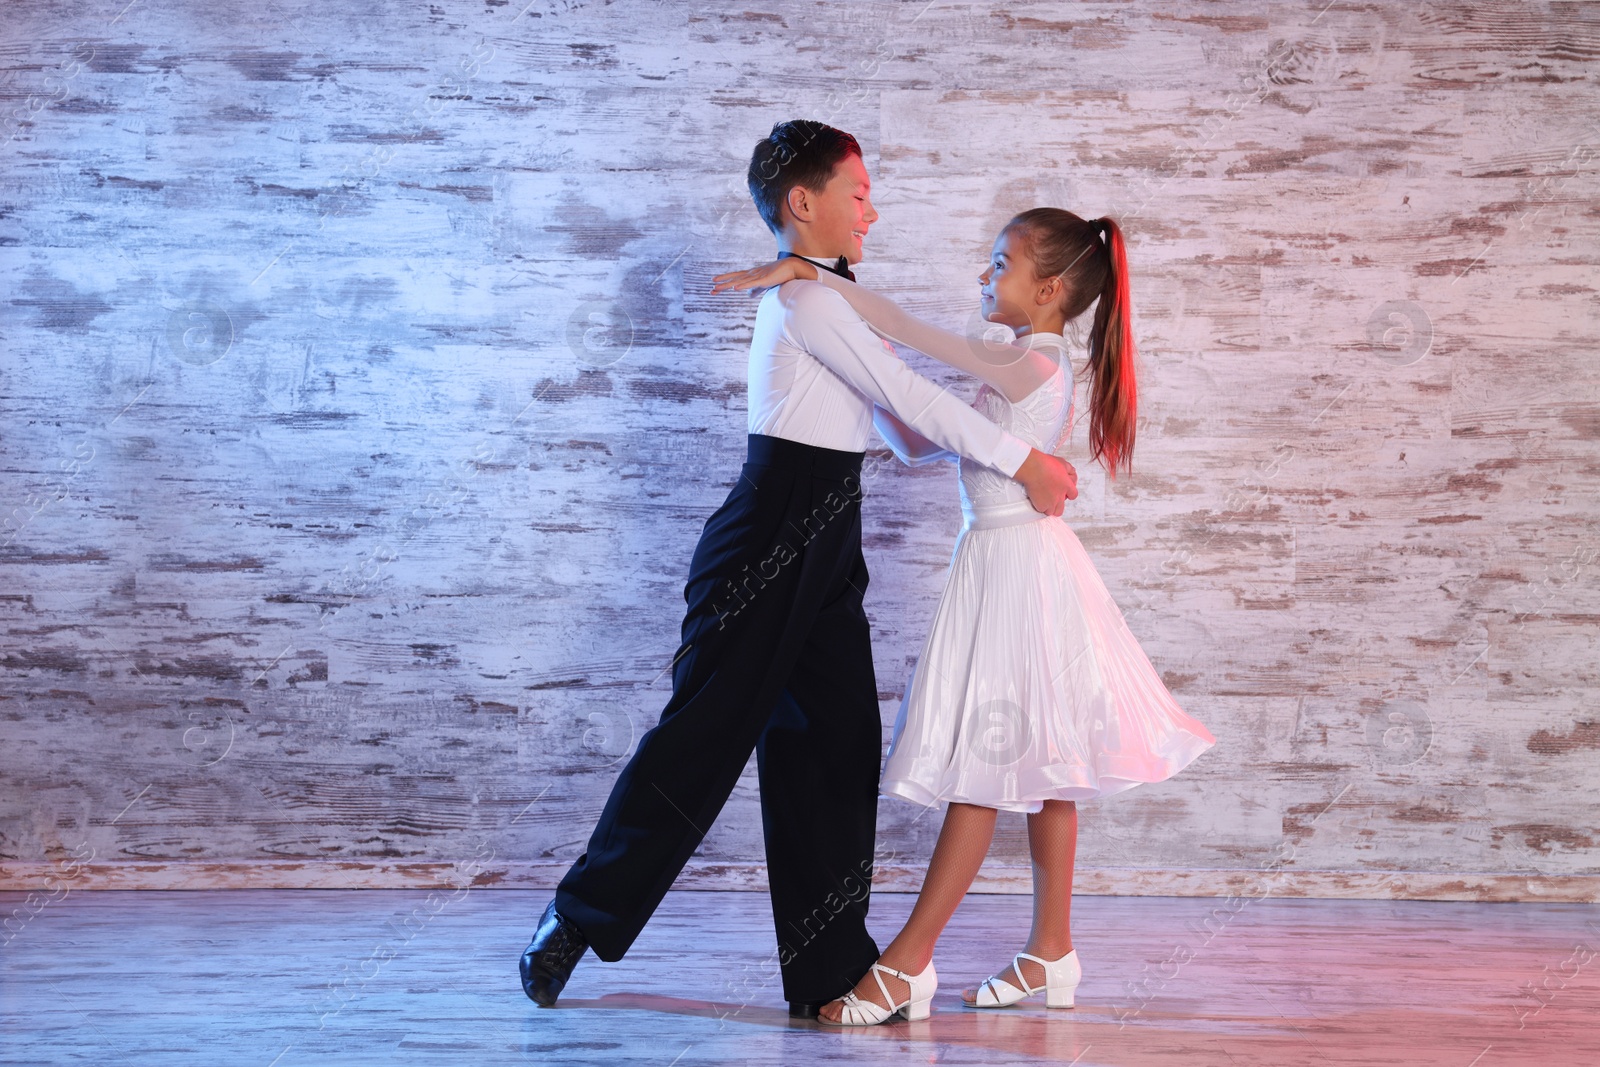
(285, 977)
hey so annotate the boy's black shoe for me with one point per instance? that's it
(547, 962)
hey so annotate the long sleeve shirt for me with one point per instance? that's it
(817, 371)
(1013, 369)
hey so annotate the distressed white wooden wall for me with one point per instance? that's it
(362, 400)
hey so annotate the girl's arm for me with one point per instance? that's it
(1012, 369)
(909, 446)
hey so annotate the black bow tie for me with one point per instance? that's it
(841, 268)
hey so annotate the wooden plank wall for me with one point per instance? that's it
(362, 400)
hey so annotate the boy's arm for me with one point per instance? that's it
(909, 446)
(819, 321)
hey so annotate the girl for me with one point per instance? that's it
(1031, 693)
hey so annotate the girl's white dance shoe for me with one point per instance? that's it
(858, 1012)
(1060, 979)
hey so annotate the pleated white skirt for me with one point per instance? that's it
(1030, 686)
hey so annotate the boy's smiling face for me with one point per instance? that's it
(833, 221)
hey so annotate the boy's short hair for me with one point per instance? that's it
(797, 152)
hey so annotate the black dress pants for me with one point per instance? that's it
(776, 656)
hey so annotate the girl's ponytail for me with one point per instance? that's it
(1092, 262)
(1114, 396)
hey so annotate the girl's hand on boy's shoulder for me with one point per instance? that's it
(787, 269)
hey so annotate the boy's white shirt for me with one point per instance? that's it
(817, 369)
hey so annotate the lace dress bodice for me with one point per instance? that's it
(1043, 419)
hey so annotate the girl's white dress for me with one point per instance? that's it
(1030, 686)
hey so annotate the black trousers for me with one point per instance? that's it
(776, 657)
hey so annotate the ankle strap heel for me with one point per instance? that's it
(1061, 979)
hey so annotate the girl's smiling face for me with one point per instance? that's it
(1011, 293)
